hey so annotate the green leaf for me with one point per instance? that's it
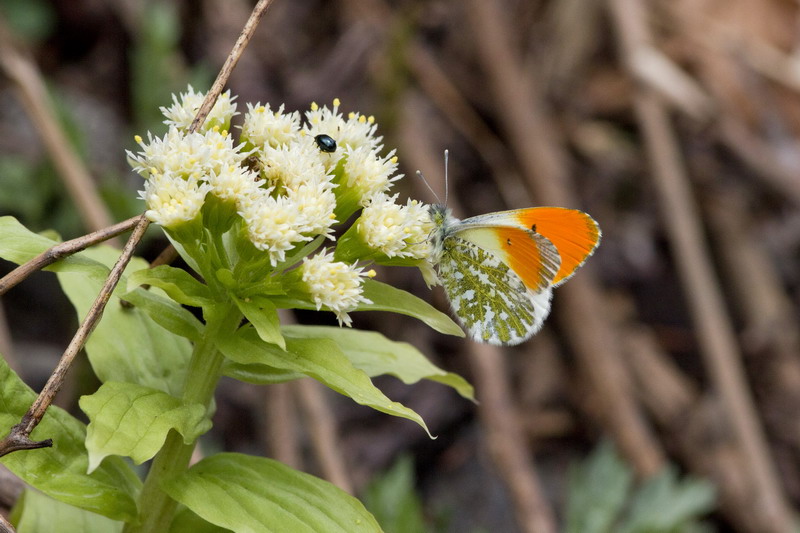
(18, 244)
(376, 355)
(320, 359)
(665, 503)
(263, 314)
(133, 421)
(257, 495)
(60, 471)
(258, 374)
(35, 512)
(186, 521)
(393, 501)
(177, 283)
(166, 313)
(387, 298)
(598, 490)
(127, 345)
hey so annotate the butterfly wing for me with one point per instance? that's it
(498, 281)
(573, 233)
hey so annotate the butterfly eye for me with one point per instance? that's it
(325, 143)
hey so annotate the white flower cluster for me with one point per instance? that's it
(287, 185)
(334, 284)
(396, 230)
(182, 111)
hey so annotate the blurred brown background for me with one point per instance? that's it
(673, 123)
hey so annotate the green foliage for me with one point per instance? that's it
(259, 495)
(378, 356)
(393, 501)
(142, 353)
(160, 357)
(60, 471)
(35, 512)
(133, 421)
(32, 20)
(603, 499)
(320, 359)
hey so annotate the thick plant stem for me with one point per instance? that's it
(156, 508)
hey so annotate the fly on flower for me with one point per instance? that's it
(499, 269)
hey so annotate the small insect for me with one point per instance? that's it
(325, 143)
(499, 269)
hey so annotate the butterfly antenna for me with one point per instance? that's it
(446, 181)
(428, 185)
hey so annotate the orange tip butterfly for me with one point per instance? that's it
(499, 269)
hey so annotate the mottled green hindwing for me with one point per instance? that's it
(490, 299)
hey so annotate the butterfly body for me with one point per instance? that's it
(498, 270)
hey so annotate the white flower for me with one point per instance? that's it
(335, 285)
(263, 127)
(316, 202)
(182, 112)
(294, 164)
(368, 173)
(355, 131)
(396, 230)
(172, 200)
(191, 155)
(274, 225)
(237, 184)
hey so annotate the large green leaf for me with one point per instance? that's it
(167, 313)
(258, 374)
(133, 421)
(127, 344)
(18, 244)
(376, 355)
(60, 471)
(35, 512)
(257, 495)
(176, 282)
(387, 298)
(186, 521)
(320, 359)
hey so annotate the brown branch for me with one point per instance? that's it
(714, 331)
(507, 441)
(523, 115)
(280, 432)
(64, 249)
(22, 70)
(694, 423)
(324, 437)
(5, 526)
(19, 436)
(230, 63)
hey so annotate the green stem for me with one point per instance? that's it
(156, 508)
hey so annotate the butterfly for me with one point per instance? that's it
(499, 269)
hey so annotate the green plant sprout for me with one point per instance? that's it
(256, 219)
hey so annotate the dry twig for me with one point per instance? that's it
(324, 438)
(64, 249)
(715, 334)
(534, 142)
